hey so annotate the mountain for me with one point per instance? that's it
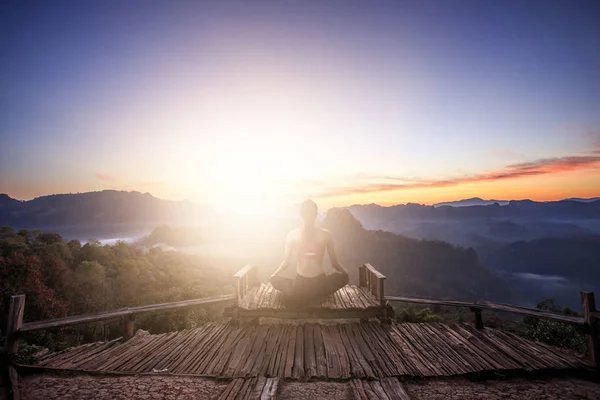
(484, 226)
(98, 213)
(590, 200)
(475, 201)
(414, 267)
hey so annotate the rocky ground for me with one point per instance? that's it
(48, 386)
(522, 389)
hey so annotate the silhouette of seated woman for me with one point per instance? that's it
(307, 246)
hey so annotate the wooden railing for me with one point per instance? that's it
(245, 278)
(373, 280)
(589, 320)
(15, 326)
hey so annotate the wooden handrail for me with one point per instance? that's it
(374, 271)
(486, 305)
(373, 280)
(245, 279)
(130, 311)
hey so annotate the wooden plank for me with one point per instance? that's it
(259, 386)
(320, 356)
(270, 389)
(239, 352)
(488, 351)
(232, 389)
(485, 361)
(331, 357)
(378, 390)
(213, 355)
(434, 350)
(413, 351)
(281, 356)
(394, 389)
(357, 361)
(105, 316)
(380, 341)
(310, 360)
(204, 341)
(186, 343)
(255, 358)
(276, 351)
(290, 353)
(358, 389)
(343, 353)
(298, 372)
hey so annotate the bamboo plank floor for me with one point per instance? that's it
(349, 297)
(263, 388)
(301, 352)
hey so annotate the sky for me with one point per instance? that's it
(254, 104)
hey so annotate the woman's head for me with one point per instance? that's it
(308, 211)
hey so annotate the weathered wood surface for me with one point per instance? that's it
(384, 388)
(342, 351)
(14, 323)
(265, 297)
(126, 312)
(589, 308)
(486, 305)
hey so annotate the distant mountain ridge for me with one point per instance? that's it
(513, 208)
(105, 211)
(475, 201)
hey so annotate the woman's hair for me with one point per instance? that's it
(308, 208)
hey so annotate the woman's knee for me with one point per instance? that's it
(339, 280)
(282, 284)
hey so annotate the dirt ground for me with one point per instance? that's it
(47, 387)
(522, 389)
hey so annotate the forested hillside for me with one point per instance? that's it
(414, 267)
(63, 278)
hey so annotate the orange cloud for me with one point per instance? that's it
(512, 171)
(105, 178)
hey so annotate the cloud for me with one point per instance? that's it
(105, 178)
(544, 166)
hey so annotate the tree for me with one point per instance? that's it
(555, 333)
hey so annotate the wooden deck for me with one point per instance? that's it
(300, 352)
(348, 302)
(255, 299)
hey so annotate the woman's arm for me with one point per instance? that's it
(332, 256)
(287, 256)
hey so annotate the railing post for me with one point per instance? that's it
(589, 308)
(13, 325)
(362, 276)
(128, 327)
(380, 282)
(478, 317)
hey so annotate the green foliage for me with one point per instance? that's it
(555, 333)
(413, 314)
(27, 353)
(177, 237)
(60, 279)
